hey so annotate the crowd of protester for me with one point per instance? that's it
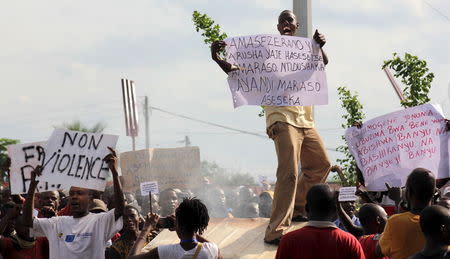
(82, 223)
(408, 222)
(417, 225)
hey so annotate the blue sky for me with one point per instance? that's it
(63, 60)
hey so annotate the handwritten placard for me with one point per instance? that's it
(24, 158)
(170, 167)
(347, 194)
(388, 148)
(276, 70)
(147, 187)
(76, 159)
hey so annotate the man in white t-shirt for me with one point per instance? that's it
(83, 235)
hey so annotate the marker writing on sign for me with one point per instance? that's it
(78, 165)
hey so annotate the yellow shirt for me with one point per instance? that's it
(297, 116)
(402, 236)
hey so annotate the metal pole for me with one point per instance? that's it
(302, 10)
(133, 140)
(394, 84)
(147, 129)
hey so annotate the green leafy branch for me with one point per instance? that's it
(210, 31)
(354, 115)
(414, 74)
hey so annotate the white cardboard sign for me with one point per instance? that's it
(389, 147)
(147, 187)
(76, 159)
(24, 158)
(347, 194)
(276, 70)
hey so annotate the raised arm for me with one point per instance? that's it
(338, 170)
(216, 48)
(320, 39)
(111, 160)
(135, 252)
(347, 221)
(28, 206)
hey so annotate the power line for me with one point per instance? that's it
(437, 10)
(208, 123)
(218, 125)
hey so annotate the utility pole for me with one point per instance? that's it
(187, 141)
(147, 129)
(302, 10)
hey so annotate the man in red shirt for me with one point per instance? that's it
(18, 243)
(373, 219)
(320, 238)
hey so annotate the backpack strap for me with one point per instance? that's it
(197, 252)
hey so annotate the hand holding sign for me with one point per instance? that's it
(347, 194)
(394, 193)
(217, 47)
(36, 172)
(147, 188)
(388, 147)
(274, 70)
(111, 160)
(319, 38)
(75, 158)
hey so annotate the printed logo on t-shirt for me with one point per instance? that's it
(84, 235)
(69, 238)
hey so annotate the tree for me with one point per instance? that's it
(4, 177)
(222, 176)
(414, 74)
(211, 32)
(77, 125)
(354, 115)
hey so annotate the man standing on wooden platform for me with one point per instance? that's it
(296, 142)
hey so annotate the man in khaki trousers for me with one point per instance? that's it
(296, 142)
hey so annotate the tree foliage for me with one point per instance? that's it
(77, 125)
(209, 29)
(211, 32)
(3, 157)
(222, 176)
(415, 74)
(354, 114)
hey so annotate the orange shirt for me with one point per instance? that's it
(402, 236)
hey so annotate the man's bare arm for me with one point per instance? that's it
(357, 231)
(150, 224)
(320, 39)
(28, 206)
(119, 201)
(216, 48)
